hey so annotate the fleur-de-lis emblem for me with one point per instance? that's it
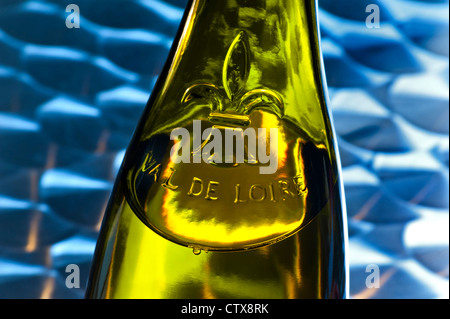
(232, 97)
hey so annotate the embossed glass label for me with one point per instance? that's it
(233, 179)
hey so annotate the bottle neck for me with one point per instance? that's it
(281, 36)
(238, 46)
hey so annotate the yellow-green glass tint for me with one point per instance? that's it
(142, 264)
(217, 229)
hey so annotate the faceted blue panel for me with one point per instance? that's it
(149, 49)
(64, 191)
(28, 225)
(70, 99)
(46, 20)
(426, 25)
(63, 255)
(68, 122)
(416, 177)
(22, 141)
(20, 94)
(353, 9)
(72, 71)
(419, 97)
(121, 106)
(151, 15)
(346, 71)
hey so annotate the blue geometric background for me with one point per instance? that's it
(70, 99)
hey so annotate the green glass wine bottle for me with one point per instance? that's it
(230, 187)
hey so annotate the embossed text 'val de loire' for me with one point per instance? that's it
(231, 187)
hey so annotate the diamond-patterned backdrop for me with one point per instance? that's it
(70, 99)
